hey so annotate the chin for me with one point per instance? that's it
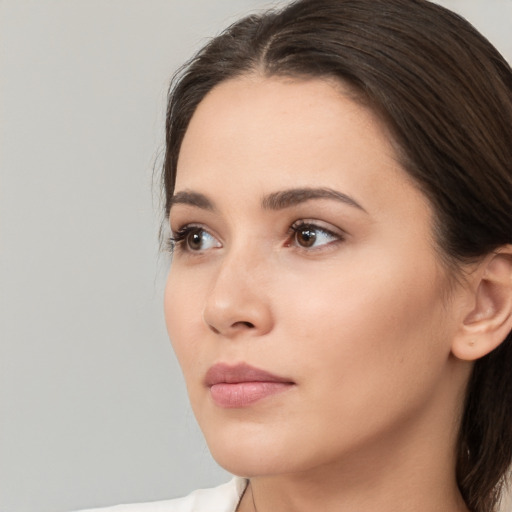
(256, 450)
(250, 450)
(252, 461)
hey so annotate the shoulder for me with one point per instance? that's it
(223, 498)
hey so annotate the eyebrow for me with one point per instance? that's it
(275, 201)
(295, 196)
(192, 199)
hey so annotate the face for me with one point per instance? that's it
(305, 302)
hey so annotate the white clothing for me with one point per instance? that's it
(224, 498)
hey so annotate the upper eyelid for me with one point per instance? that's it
(187, 225)
(320, 225)
(184, 225)
(299, 222)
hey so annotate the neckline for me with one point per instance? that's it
(241, 491)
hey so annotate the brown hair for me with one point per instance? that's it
(446, 95)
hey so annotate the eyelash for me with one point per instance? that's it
(178, 241)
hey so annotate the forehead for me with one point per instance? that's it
(266, 133)
(275, 111)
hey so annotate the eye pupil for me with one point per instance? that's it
(306, 237)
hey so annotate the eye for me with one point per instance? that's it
(309, 236)
(194, 239)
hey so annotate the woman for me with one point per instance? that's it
(338, 179)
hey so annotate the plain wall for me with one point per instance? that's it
(93, 410)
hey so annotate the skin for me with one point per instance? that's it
(362, 322)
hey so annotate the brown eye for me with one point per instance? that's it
(312, 236)
(195, 239)
(305, 236)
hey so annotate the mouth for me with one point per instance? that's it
(242, 385)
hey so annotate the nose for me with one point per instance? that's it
(237, 302)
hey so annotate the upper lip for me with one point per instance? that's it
(242, 372)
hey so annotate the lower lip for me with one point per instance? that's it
(242, 394)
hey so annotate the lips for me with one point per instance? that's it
(242, 385)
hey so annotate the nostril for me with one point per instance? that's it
(234, 326)
(244, 324)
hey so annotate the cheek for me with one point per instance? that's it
(368, 352)
(181, 311)
(378, 328)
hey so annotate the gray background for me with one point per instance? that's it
(92, 407)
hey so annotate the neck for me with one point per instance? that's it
(395, 489)
(364, 486)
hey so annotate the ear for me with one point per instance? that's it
(489, 321)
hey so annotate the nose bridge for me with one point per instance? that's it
(237, 299)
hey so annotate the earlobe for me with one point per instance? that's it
(490, 320)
